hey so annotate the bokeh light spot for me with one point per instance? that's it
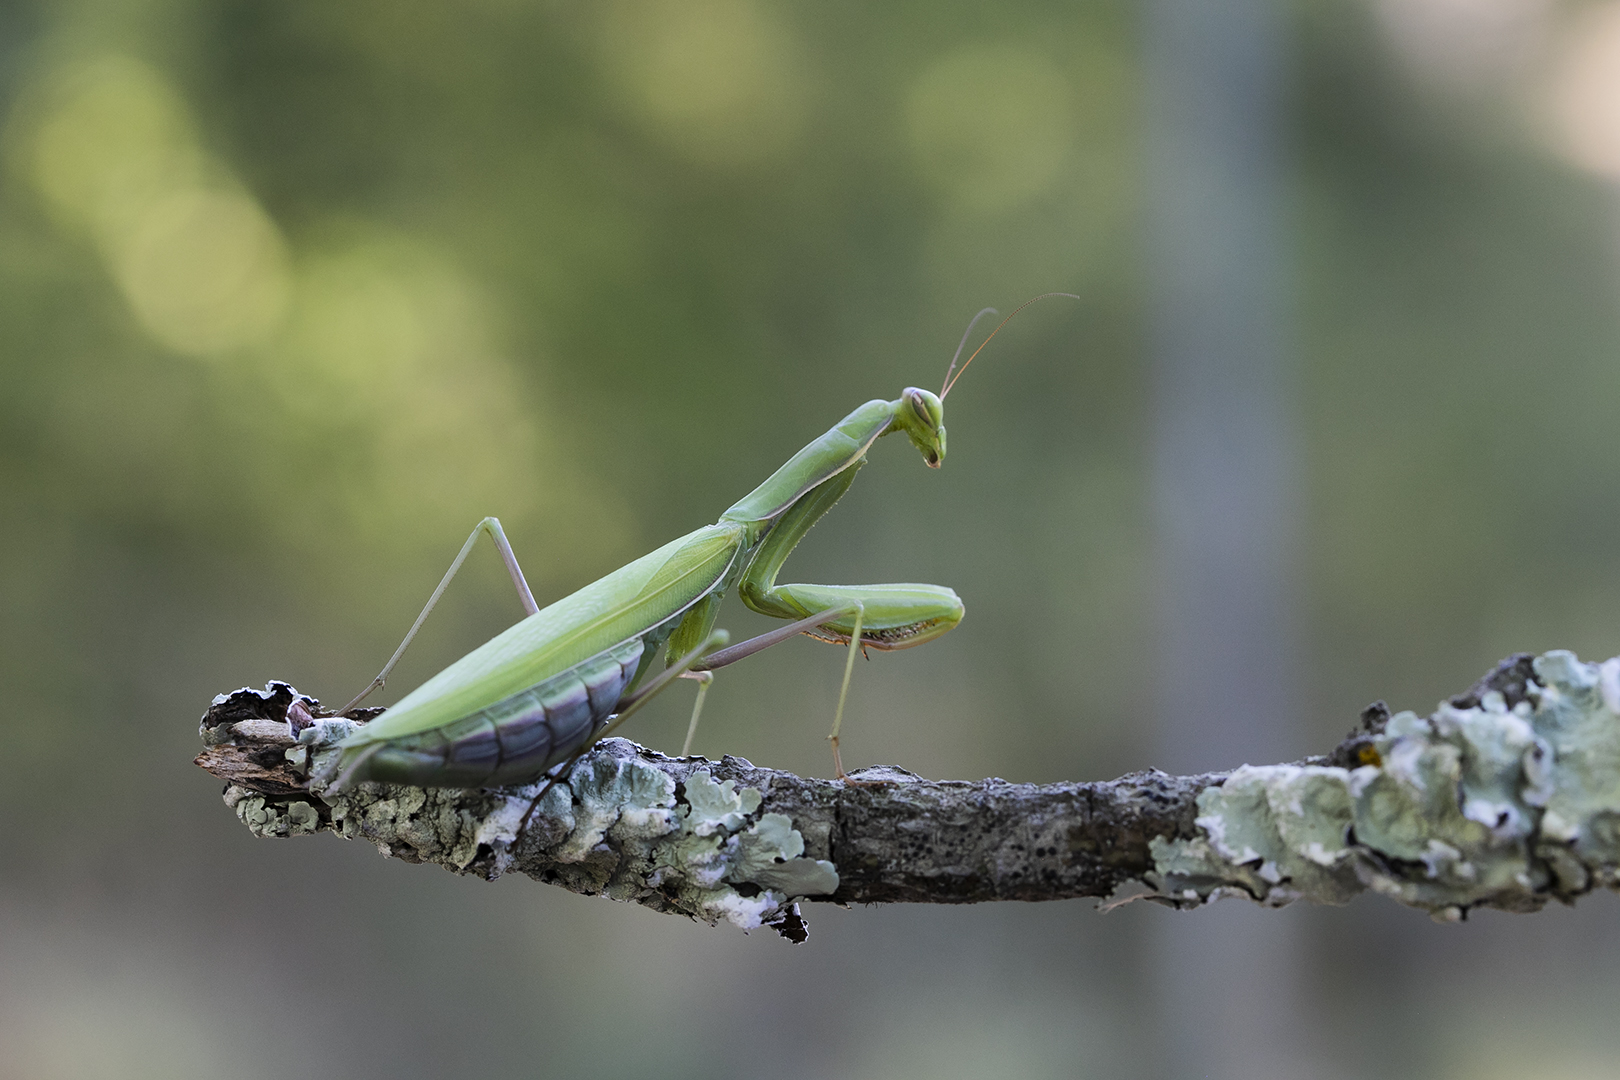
(390, 343)
(713, 78)
(357, 332)
(205, 272)
(1585, 96)
(1465, 44)
(115, 153)
(108, 136)
(991, 125)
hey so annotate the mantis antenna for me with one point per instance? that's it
(960, 345)
(949, 380)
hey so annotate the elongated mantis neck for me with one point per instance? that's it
(916, 412)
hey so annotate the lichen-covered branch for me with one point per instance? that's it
(1507, 796)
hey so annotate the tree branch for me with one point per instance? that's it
(1507, 796)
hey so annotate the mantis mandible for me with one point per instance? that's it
(549, 687)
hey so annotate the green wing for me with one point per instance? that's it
(625, 604)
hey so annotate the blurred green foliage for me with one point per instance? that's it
(291, 294)
(307, 289)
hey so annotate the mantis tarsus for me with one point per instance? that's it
(550, 686)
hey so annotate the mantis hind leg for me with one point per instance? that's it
(498, 535)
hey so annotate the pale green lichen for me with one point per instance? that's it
(712, 807)
(266, 819)
(302, 819)
(616, 826)
(1479, 806)
(772, 855)
(1275, 833)
(1576, 717)
(710, 854)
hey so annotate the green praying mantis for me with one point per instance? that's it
(548, 688)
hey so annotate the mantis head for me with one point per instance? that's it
(921, 415)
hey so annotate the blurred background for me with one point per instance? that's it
(292, 294)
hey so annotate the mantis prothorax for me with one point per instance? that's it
(549, 687)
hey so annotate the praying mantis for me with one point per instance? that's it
(549, 687)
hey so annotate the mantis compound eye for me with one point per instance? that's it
(926, 407)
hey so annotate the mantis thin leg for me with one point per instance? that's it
(895, 616)
(744, 649)
(703, 679)
(498, 535)
(657, 684)
(843, 691)
(701, 671)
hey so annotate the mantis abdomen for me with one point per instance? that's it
(516, 738)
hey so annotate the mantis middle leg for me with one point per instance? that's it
(892, 616)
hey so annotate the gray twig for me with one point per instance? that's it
(1507, 796)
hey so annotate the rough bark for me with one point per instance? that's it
(1507, 796)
